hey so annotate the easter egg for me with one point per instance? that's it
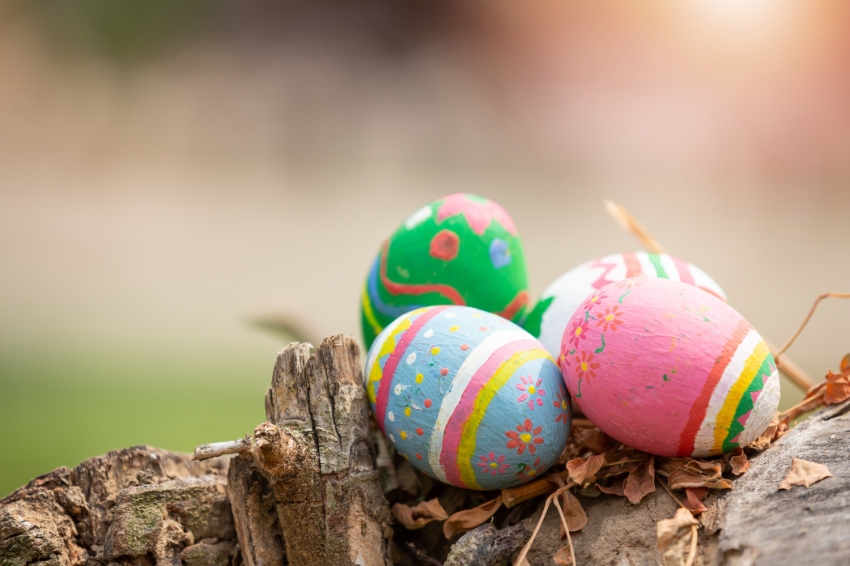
(469, 398)
(459, 250)
(669, 369)
(559, 301)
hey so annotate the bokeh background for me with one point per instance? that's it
(171, 170)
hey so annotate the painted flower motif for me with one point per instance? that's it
(610, 319)
(490, 464)
(628, 283)
(585, 366)
(525, 437)
(527, 470)
(594, 300)
(563, 403)
(531, 391)
(577, 332)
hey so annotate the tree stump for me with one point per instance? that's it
(320, 459)
(139, 505)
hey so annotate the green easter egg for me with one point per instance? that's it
(459, 250)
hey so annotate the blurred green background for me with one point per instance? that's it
(171, 170)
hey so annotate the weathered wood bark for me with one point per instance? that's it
(254, 514)
(309, 484)
(320, 458)
(138, 505)
(485, 546)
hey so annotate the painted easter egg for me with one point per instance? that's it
(669, 369)
(468, 397)
(560, 300)
(461, 249)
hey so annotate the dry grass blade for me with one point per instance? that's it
(670, 492)
(629, 223)
(521, 558)
(821, 297)
(567, 530)
(806, 405)
(692, 553)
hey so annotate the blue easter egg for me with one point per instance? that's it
(468, 397)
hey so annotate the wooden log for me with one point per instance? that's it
(138, 505)
(320, 458)
(254, 514)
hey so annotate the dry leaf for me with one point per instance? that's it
(616, 488)
(845, 365)
(583, 470)
(837, 388)
(413, 518)
(591, 438)
(464, 521)
(689, 472)
(767, 437)
(694, 497)
(573, 512)
(562, 557)
(738, 461)
(669, 529)
(641, 481)
(804, 473)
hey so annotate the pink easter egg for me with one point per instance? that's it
(669, 369)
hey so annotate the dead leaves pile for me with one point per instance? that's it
(595, 464)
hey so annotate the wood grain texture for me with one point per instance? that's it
(254, 514)
(138, 505)
(320, 457)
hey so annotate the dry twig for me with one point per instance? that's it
(821, 297)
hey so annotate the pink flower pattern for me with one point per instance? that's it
(594, 300)
(532, 391)
(577, 333)
(586, 365)
(610, 319)
(491, 464)
(563, 403)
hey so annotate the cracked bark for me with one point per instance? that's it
(138, 505)
(318, 454)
